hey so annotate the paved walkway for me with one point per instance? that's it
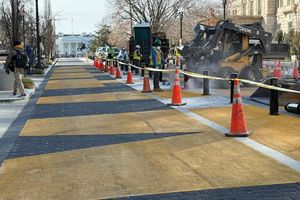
(88, 136)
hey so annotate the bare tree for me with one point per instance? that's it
(204, 11)
(48, 32)
(11, 19)
(157, 12)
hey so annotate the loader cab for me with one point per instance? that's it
(203, 34)
(232, 45)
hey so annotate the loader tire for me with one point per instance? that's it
(252, 74)
(225, 72)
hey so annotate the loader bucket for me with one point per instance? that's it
(262, 95)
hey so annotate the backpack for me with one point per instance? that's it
(20, 59)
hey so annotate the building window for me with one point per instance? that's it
(259, 7)
(280, 3)
(244, 8)
(251, 7)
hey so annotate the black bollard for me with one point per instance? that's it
(205, 84)
(233, 76)
(181, 64)
(274, 103)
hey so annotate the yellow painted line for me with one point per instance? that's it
(57, 70)
(75, 83)
(108, 81)
(167, 94)
(123, 123)
(72, 75)
(281, 133)
(245, 91)
(112, 96)
(68, 68)
(182, 163)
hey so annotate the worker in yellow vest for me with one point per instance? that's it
(137, 57)
(177, 57)
(156, 62)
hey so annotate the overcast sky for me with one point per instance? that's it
(86, 14)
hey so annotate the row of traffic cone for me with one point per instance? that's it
(238, 126)
(277, 72)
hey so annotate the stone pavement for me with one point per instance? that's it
(85, 135)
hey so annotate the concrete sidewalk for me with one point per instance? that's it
(90, 136)
(11, 107)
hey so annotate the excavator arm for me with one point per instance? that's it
(254, 31)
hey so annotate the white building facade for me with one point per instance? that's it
(68, 45)
(276, 14)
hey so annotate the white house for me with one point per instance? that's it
(67, 45)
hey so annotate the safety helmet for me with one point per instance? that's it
(138, 46)
(157, 42)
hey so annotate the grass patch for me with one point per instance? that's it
(38, 71)
(28, 83)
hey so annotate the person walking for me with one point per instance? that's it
(156, 62)
(111, 55)
(17, 61)
(137, 57)
(123, 58)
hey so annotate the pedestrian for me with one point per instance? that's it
(156, 62)
(137, 57)
(123, 58)
(110, 55)
(16, 62)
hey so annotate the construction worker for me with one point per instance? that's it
(123, 58)
(156, 62)
(177, 56)
(110, 55)
(137, 57)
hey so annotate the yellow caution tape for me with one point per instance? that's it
(204, 76)
(196, 75)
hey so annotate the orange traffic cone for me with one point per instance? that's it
(146, 87)
(176, 97)
(111, 70)
(129, 76)
(238, 126)
(277, 71)
(295, 72)
(118, 74)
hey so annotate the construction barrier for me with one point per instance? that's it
(196, 75)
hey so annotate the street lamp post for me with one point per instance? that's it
(38, 39)
(23, 24)
(181, 19)
(224, 9)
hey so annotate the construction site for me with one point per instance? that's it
(218, 118)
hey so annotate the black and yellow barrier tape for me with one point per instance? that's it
(196, 75)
